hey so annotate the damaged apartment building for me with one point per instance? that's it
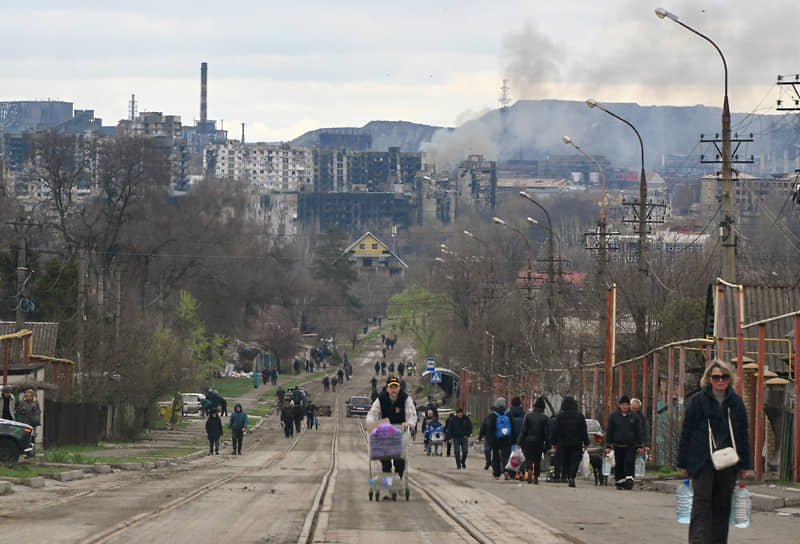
(297, 189)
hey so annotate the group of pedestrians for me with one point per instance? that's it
(237, 424)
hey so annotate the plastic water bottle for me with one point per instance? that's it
(606, 469)
(683, 502)
(741, 507)
(638, 468)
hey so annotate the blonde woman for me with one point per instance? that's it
(712, 408)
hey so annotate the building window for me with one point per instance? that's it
(374, 246)
(362, 246)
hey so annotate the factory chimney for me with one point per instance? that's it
(243, 133)
(204, 95)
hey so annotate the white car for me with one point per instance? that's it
(191, 403)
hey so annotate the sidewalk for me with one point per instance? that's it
(766, 497)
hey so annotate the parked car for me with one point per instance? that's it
(596, 436)
(297, 394)
(358, 406)
(191, 403)
(15, 439)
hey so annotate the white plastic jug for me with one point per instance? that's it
(683, 502)
(741, 507)
(638, 468)
(606, 469)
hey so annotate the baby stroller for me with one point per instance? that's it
(387, 443)
(434, 438)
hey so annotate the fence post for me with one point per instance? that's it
(670, 410)
(759, 407)
(681, 384)
(644, 385)
(594, 392)
(654, 406)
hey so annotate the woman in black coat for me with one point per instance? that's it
(712, 406)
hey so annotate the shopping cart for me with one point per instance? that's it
(388, 443)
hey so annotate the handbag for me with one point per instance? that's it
(725, 457)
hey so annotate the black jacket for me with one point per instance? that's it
(460, 427)
(571, 428)
(623, 430)
(693, 451)
(482, 429)
(516, 414)
(644, 427)
(214, 428)
(535, 431)
(395, 411)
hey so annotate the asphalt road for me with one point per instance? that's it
(266, 494)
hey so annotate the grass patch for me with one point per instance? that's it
(70, 454)
(261, 411)
(152, 455)
(233, 387)
(28, 471)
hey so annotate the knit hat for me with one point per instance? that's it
(539, 403)
(500, 402)
(624, 399)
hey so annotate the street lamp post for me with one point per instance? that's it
(728, 233)
(592, 103)
(550, 249)
(498, 221)
(488, 248)
(602, 222)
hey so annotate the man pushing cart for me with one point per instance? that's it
(388, 422)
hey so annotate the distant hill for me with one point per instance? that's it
(535, 127)
(385, 134)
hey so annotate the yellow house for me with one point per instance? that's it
(369, 253)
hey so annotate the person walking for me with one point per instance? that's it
(28, 410)
(534, 439)
(326, 384)
(448, 439)
(625, 436)
(377, 367)
(311, 412)
(395, 407)
(9, 403)
(390, 368)
(498, 433)
(715, 415)
(487, 447)
(644, 426)
(400, 369)
(516, 414)
(340, 375)
(571, 438)
(460, 431)
(213, 431)
(383, 368)
(237, 424)
(287, 418)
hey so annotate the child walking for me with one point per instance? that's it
(214, 432)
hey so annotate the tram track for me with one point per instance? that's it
(120, 528)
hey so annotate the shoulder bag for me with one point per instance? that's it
(725, 457)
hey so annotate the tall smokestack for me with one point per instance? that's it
(242, 132)
(204, 94)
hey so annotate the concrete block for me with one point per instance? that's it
(148, 465)
(101, 469)
(5, 487)
(161, 464)
(67, 475)
(127, 466)
(766, 503)
(34, 483)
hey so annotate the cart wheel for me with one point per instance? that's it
(377, 496)
(370, 495)
(394, 497)
(407, 494)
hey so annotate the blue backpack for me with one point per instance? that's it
(502, 428)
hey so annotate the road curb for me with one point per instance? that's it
(761, 502)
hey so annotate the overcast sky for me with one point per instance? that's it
(288, 67)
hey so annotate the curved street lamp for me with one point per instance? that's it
(592, 103)
(498, 221)
(602, 223)
(729, 234)
(468, 234)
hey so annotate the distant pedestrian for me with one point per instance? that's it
(625, 436)
(311, 412)
(383, 368)
(366, 328)
(487, 446)
(498, 432)
(213, 431)
(287, 417)
(390, 368)
(340, 375)
(299, 415)
(644, 426)
(571, 438)
(373, 383)
(326, 384)
(460, 431)
(265, 376)
(516, 415)
(534, 439)
(8, 403)
(334, 381)
(28, 410)
(401, 368)
(237, 424)
(448, 440)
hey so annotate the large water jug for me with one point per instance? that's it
(544, 468)
(606, 468)
(741, 506)
(683, 502)
(638, 467)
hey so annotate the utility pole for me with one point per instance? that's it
(22, 276)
